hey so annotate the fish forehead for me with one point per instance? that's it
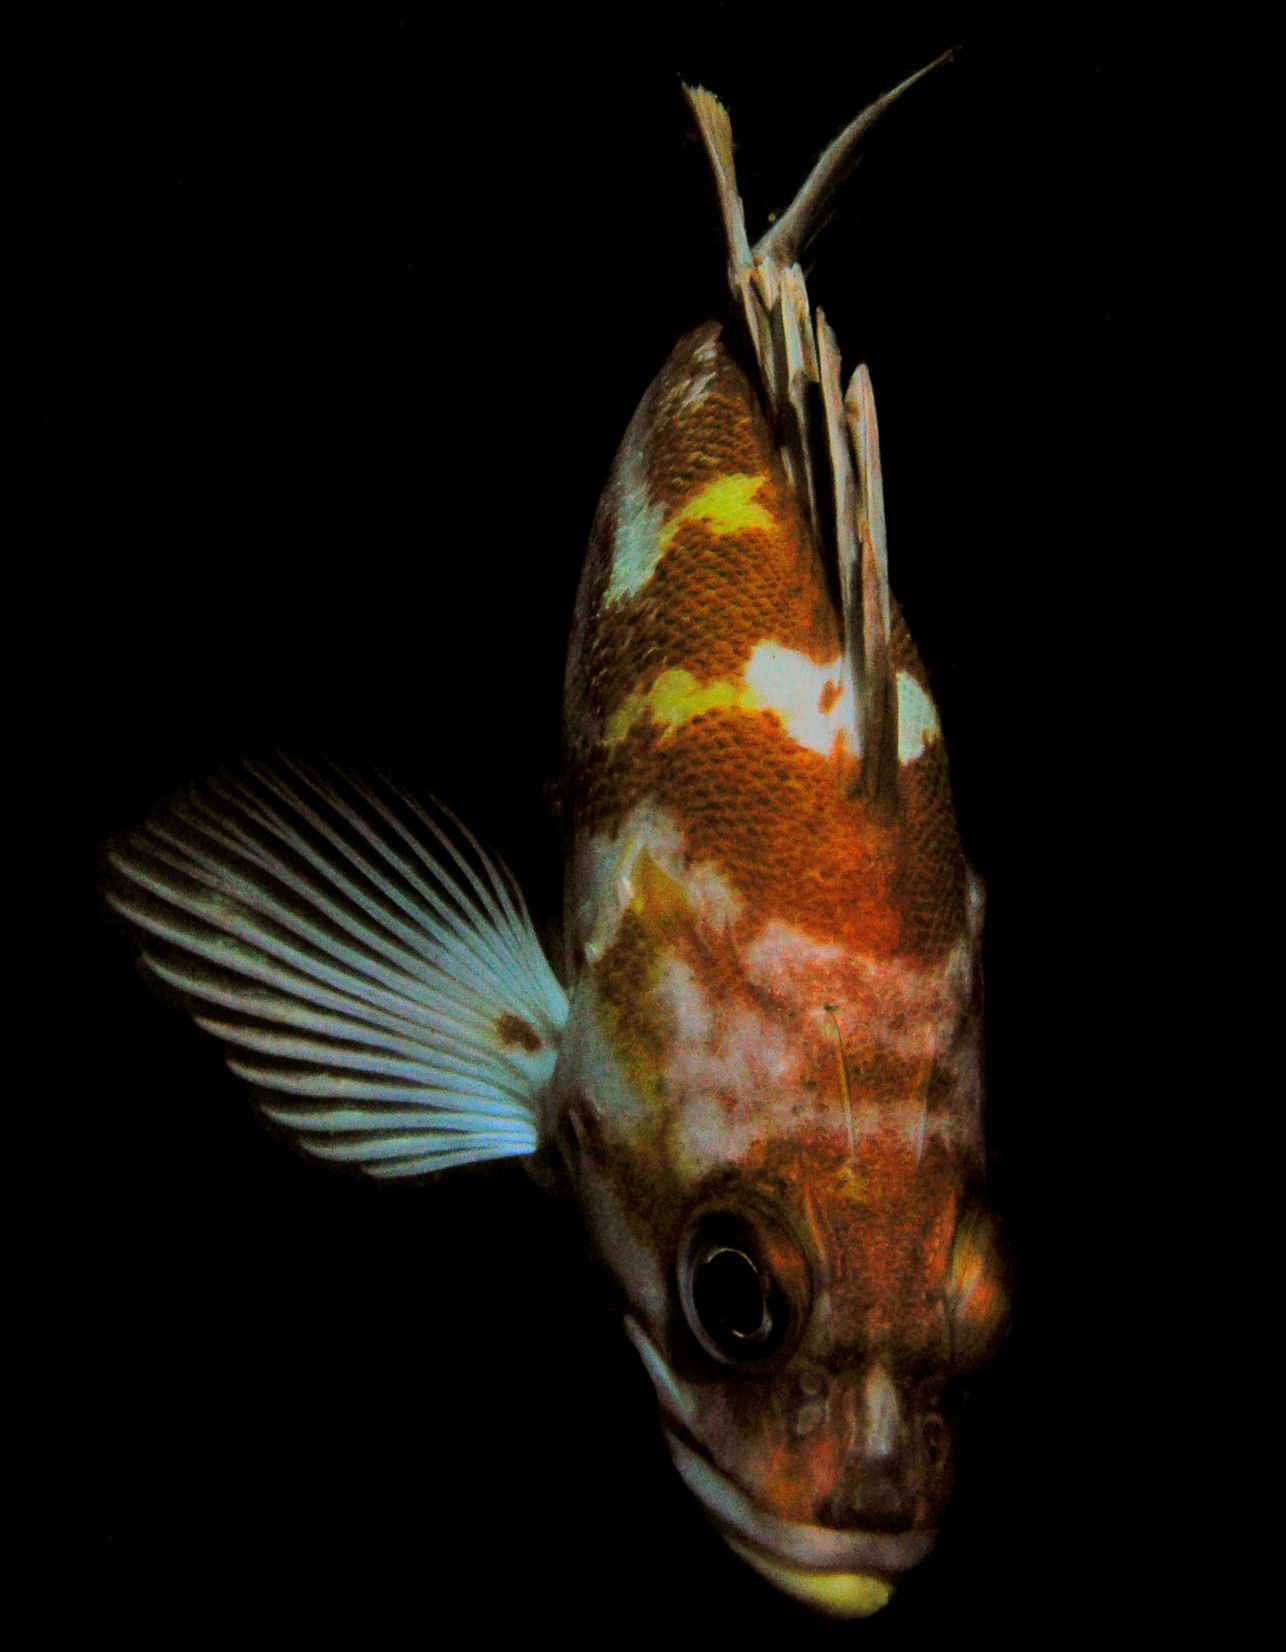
(735, 1024)
(869, 1176)
(707, 678)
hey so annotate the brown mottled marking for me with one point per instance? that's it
(777, 819)
(715, 596)
(515, 1033)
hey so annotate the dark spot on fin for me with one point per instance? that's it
(515, 1033)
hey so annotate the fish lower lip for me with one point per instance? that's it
(838, 1594)
(791, 1554)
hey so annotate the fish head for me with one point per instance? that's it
(777, 1146)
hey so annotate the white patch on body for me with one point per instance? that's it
(876, 1001)
(705, 360)
(735, 1066)
(636, 538)
(734, 1069)
(777, 679)
(788, 682)
(917, 719)
(680, 997)
(731, 1071)
(603, 877)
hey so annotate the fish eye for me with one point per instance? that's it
(736, 1305)
(729, 1297)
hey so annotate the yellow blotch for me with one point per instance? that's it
(849, 1184)
(672, 699)
(628, 971)
(838, 1594)
(725, 506)
(657, 898)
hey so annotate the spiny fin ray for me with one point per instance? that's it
(877, 688)
(769, 290)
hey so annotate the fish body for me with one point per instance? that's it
(774, 1039)
(760, 1071)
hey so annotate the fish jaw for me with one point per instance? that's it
(853, 1578)
(846, 1573)
(837, 1594)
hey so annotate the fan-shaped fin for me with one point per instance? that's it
(370, 961)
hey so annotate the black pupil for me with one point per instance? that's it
(729, 1298)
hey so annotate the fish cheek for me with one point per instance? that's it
(772, 1435)
(801, 1455)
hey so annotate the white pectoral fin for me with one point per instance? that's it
(363, 959)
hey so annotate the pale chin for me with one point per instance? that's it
(838, 1594)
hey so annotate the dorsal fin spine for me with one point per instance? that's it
(769, 289)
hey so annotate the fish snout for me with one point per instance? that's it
(883, 1483)
(874, 1497)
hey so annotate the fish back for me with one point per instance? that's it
(708, 681)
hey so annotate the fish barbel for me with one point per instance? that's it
(758, 1067)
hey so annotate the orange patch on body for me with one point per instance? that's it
(773, 816)
(716, 592)
(770, 817)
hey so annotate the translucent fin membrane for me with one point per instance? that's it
(792, 353)
(361, 955)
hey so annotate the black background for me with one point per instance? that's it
(328, 331)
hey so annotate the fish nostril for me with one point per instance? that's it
(810, 1415)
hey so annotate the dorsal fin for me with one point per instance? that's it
(878, 705)
(769, 290)
(796, 226)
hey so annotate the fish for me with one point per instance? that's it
(756, 1065)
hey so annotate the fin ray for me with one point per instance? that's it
(768, 287)
(879, 701)
(404, 995)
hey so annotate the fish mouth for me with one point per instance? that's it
(848, 1574)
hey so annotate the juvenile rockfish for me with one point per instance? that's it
(762, 1078)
